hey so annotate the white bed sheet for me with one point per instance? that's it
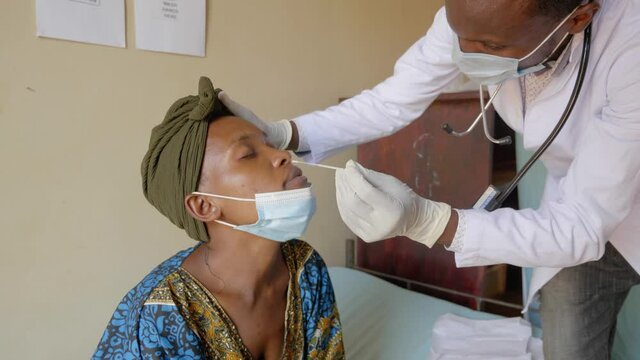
(383, 321)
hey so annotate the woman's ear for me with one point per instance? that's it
(583, 16)
(202, 208)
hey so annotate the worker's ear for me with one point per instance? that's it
(202, 208)
(583, 17)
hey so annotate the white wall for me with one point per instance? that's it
(76, 231)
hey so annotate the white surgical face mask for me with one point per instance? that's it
(489, 69)
(282, 215)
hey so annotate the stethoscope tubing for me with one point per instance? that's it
(584, 62)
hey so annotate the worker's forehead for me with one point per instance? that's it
(493, 20)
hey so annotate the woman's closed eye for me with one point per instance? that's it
(249, 154)
(248, 147)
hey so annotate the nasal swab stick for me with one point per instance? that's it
(318, 165)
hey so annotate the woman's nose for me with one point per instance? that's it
(281, 158)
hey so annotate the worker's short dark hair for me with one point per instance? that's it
(555, 8)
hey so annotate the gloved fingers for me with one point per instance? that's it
(366, 172)
(358, 215)
(240, 110)
(377, 179)
(357, 224)
(368, 220)
(228, 102)
(279, 134)
(347, 196)
(388, 185)
(364, 189)
(362, 210)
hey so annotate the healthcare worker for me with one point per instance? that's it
(584, 240)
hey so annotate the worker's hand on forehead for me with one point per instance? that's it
(278, 133)
(378, 206)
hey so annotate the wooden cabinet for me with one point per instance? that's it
(440, 167)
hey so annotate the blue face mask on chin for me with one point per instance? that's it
(282, 215)
(487, 69)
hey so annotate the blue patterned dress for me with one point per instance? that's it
(170, 315)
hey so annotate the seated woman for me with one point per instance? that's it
(246, 291)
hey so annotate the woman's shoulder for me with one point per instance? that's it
(122, 331)
(152, 284)
(306, 264)
(303, 254)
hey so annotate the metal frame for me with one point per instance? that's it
(351, 256)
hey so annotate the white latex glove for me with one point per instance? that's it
(278, 134)
(378, 206)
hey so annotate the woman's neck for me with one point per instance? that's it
(246, 264)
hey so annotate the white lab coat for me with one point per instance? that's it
(593, 182)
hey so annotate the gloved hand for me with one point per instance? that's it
(278, 134)
(378, 206)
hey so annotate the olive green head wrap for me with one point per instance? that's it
(171, 167)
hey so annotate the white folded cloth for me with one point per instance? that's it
(457, 338)
(434, 356)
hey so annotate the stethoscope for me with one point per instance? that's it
(493, 198)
